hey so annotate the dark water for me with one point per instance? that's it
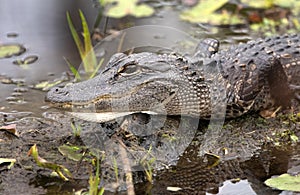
(43, 29)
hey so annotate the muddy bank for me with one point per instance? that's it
(250, 148)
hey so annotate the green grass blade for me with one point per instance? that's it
(73, 70)
(86, 33)
(97, 68)
(75, 36)
(90, 60)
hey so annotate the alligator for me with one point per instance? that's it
(253, 76)
(258, 75)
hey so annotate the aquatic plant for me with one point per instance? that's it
(85, 48)
(76, 129)
(58, 169)
(121, 8)
(266, 16)
(94, 181)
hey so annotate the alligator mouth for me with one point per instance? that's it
(82, 104)
(70, 105)
(96, 100)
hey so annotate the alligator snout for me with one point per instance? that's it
(57, 95)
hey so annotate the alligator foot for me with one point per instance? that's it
(206, 48)
(296, 90)
(278, 83)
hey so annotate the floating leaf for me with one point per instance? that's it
(204, 12)
(46, 85)
(8, 50)
(263, 4)
(129, 7)
(285, 182)
(59, 169)
(142, 11)
(28, 60)
(207, 7)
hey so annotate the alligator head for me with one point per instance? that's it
(164, 84)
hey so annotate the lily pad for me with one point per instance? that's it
(28, 60)
(285, 182)
(204, 12)
(259, 4)
(46, 85)
(8, 50)
(130, 7)
(270, 3)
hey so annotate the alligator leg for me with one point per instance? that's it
(280, 89)
(296, 90)
(206, 48)
(266, 84)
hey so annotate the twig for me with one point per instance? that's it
(127, 168)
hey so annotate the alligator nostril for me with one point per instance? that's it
(60, 91)
(56, 94)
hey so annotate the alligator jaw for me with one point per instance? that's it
(100, 104)
(74, 104)
(105, 116)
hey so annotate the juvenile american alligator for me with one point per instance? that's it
(253, 76)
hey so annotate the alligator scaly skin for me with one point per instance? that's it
(262, 73)
(253, 76)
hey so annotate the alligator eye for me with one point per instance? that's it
(128, 70)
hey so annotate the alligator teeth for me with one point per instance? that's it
(105, 116)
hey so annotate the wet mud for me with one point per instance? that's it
(249, 148)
